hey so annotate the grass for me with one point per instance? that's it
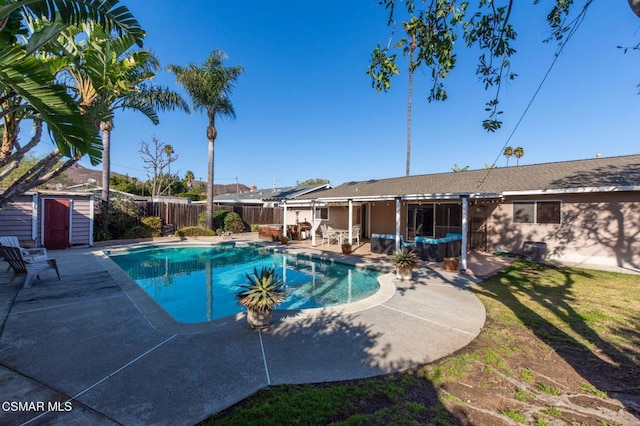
(539, 319)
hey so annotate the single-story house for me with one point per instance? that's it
(584, 211)
(51, 219)
(275, 197)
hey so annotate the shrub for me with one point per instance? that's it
(233, 223)
(154, 224)
(255, 227)
(138, 231)
(195, 231)
(219, 218)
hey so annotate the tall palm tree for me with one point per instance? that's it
(109, 75)
(209, 87)
(518, 152)
(508, 152)
(410, 28)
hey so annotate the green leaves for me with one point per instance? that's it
(382, 67)
(435, 24)
(263, 291)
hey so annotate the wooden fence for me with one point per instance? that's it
(181, 215)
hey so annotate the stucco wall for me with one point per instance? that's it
(602, 229)
(383, 217)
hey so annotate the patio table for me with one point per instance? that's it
(339, 234)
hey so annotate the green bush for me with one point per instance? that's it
(154, 224)
(138, 231)
(255, 227)
(219, 217)
(195, 231)
(233, 223)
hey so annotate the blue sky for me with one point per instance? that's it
(305, 108)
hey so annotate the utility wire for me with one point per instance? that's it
(571, 32)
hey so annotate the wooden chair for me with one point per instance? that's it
(32, 255)
(21, 266)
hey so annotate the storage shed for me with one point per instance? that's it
(51, 219)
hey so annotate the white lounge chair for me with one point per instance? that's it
(21, 266)
(31, 255)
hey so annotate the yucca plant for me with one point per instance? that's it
(404, 260)
(262, 292)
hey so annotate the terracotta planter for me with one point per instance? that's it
(404, 273)
(259, 319)
(346, 249)
(451, 264)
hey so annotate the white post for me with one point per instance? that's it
(350, 221)
(397, 224)
(313, 224)
(284, 219)
(465, 230)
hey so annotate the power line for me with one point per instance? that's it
(575, 24)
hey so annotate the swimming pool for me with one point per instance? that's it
(197, 284)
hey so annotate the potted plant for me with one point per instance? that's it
(451, 264)
(262, 292)
(284, 240)
(346, 247)
(404, 260)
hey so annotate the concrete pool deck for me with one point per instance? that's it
(94, 348)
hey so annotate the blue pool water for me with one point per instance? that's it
(197, 284)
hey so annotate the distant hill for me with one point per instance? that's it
(77, 174)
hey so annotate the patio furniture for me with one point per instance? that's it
(355, 233)
(436, 249)
(339, 235)
(21, 266)
(31, 254)
(326, 234)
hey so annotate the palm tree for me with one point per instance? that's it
(209, 87)
(109, 75)
(508, 152)
(168, 150)
(189, 177)
(518, 152)
(29, 89)
(410, 28)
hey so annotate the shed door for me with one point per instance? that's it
(56, 224)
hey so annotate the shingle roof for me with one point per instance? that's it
(260, 195)
(623, 171)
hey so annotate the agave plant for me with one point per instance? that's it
(263, 290)
(404, 257)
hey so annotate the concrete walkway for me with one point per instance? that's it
(93, 348)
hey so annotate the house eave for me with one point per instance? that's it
(584, 190)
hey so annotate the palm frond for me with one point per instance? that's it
(108, 13)
(31, 80)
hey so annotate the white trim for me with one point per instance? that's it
(573, 190)
(535, 211)
(34, 218)
(91, 219)
(71, 207)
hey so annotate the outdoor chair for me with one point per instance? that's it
(21, 266)
(327, 234)
(32, 255)
(355, 233)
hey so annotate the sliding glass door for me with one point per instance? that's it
(420, 219)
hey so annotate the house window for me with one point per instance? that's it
(323, 213)
(536, 212)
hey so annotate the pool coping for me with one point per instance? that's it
(161, 320)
